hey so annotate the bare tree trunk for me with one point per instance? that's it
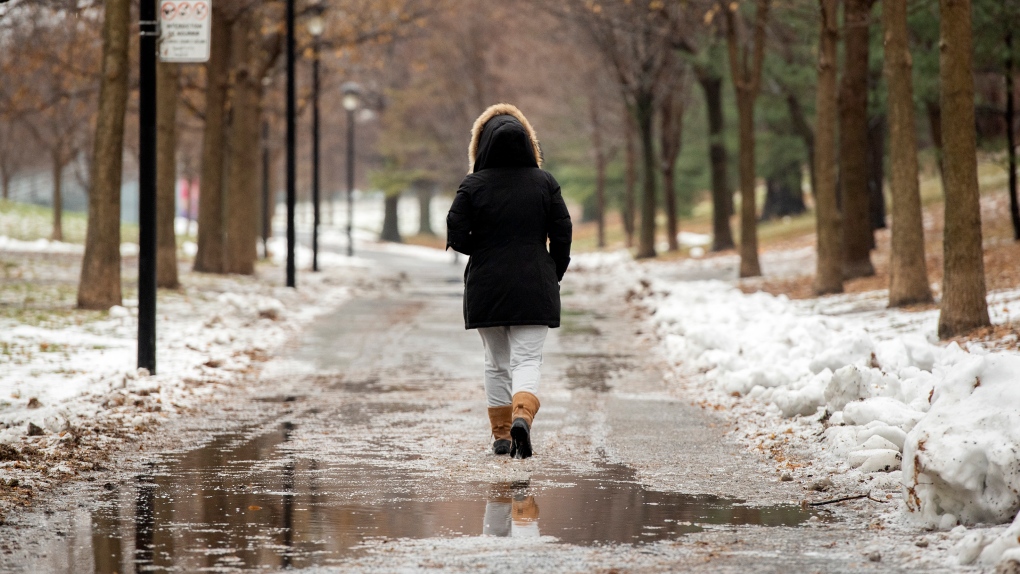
(803, 129)
(876, 174)
(209, 258)
(749, 266)
(99, 287)
(722, 196)
(1010, 117)
(241, 217)
(853, 155)
(424, 190)
(829, 271)
(630, 179)
(598, 148)
(644, 112)
(669, 194)
(166, 175)
(6, 181)
(58, 195)
(269, 202)
(746, 66)
(671, 114)
(784, 194)
(600, 197)
(908, 275)
(934, 110)
(964, 307)
(391, 227)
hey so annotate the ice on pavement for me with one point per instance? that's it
(874, 382)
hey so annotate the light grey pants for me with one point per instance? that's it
(513, 360)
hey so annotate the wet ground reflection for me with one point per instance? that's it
(243, 502)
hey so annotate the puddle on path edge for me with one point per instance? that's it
(248, 503)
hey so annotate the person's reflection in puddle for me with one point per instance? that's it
(511, 511)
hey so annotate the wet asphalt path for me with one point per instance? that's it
(365, 447)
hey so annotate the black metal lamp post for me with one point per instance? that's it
(149, 29)
(291, 155)
(316, 25)
(351, 102)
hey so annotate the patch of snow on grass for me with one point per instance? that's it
(82, 373)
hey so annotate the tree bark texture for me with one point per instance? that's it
(829, 271)
(853, 154)
(166, 175)
(58, 196)
(749, 265)
(964, 307)
(241, 217)
(99, 287)
(644, 112)
(934, 111)
(209, 258)
(746, 71)
(630, 178)
(1010, 117)
(908, 275)
(391, 226)
(722, 196)
(671, 114)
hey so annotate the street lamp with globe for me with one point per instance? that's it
(351, 102)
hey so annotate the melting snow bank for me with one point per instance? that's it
(871, 383)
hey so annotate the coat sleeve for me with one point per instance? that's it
(458, 222)
(559, 229)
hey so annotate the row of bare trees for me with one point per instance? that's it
(69, 80)
(963, 300)
(611, 83)
(639, 43)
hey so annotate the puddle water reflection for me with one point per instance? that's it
(243, 502)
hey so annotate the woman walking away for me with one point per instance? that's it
(505, 211)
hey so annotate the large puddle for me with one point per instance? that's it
(245, 502)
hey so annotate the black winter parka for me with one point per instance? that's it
(505, 211)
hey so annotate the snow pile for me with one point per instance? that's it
(963, 458)
(875, 381)
(1003, 549)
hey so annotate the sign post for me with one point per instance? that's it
(186, 30)
(179, 31)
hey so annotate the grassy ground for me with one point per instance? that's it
(30, 222)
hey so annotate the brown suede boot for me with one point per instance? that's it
(524, 408)
(500, 421)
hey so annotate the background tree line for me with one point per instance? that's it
(644, 107)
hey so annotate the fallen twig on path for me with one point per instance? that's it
(844, 499)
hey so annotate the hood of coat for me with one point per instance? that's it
(503, 137)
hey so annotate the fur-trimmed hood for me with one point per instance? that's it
(479, 133)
